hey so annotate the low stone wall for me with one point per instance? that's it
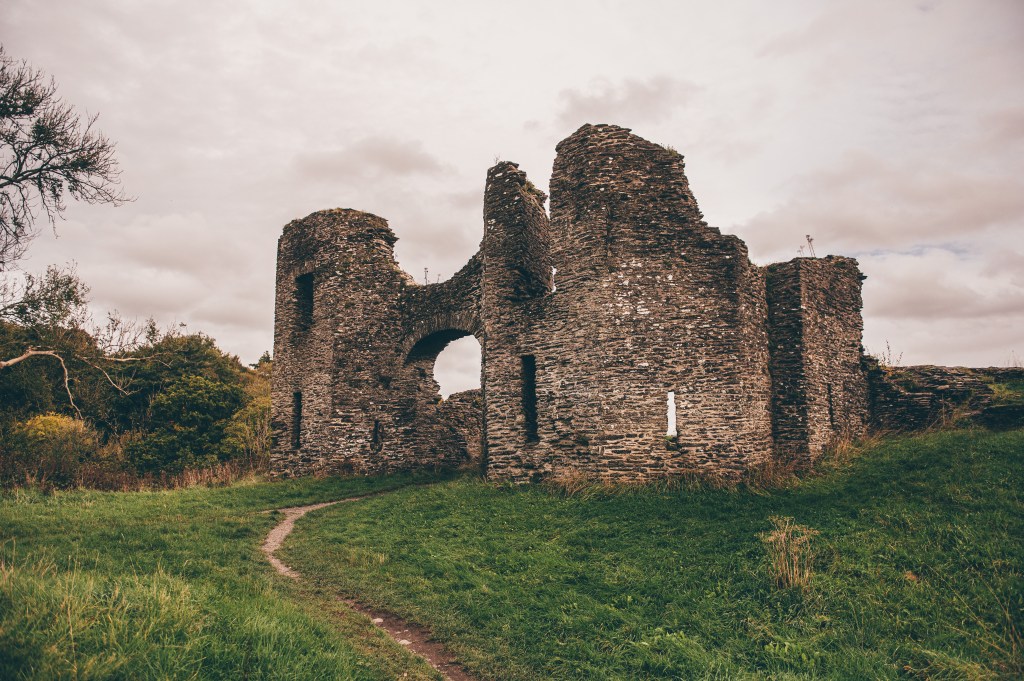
(464, 413)
(905, 399)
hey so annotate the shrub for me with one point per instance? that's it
(188, 423)
(249, 429)
(48, 450)
(790, 554)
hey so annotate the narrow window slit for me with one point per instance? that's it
(831, 408)
(296, 420)
(529, 368)
(377, 437)
(304, 301)
(671, 415)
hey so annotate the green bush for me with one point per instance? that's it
(249, 429)
(48, 450)
(188, 422)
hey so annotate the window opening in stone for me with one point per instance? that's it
(457, 367)
(530, 397)
(304, 301)
(296, 420)
(377, 437)
(671, 416)
(831, 408)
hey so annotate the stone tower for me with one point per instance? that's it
(621, 335)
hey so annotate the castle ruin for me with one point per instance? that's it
(621, 336)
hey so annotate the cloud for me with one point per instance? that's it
(629, 102)
(1002, 128)
(369, 157)
(885, 131)
(866, 203)
(941, 285)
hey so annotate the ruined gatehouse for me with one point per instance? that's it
(621, 336)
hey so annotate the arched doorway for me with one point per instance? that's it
(445, 366)
(457, 367)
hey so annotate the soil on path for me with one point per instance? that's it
(413, 636)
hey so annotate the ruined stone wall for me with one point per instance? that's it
(463, 412)
(315, 249)
(660, 293)
(819, 389)
(905, 399)
(515, 283)
(365, 375)
(647, 300)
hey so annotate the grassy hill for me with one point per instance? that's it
(916, 573)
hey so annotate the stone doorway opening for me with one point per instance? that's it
(457, 367)
(447, 369)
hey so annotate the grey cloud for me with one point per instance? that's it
(956, 342)
(369, 157)
(630, 102)
(936, 284)
(1002, 127)
(435, 241)
(866, 203)
(467, 200)
(229, 124)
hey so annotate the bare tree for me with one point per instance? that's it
(46, 153)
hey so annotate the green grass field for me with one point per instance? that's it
(917, 574)
(172, 585)
(918, 571)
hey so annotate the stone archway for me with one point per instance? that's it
(440, 422)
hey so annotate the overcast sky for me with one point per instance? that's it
(891, 131)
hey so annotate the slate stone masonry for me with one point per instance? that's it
(587, 316)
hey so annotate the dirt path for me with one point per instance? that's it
(413, 636)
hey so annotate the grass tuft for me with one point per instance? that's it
(789, 552)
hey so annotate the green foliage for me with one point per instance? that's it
(1008, 392)
(917, 566)
(27, 388)
(249, 429)
(48, 450)
(172, 585)
(156, 365)
(187, 425)
(172, 400)
(49, 303)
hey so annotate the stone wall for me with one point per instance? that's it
(647, 300)
(819, 389)
(463, 412)
(904, 399)
(364, 366)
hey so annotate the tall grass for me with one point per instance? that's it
(789, 552)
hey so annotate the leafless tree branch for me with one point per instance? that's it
(46, 153)
(32, 352)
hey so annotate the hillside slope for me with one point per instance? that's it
(917, 571)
